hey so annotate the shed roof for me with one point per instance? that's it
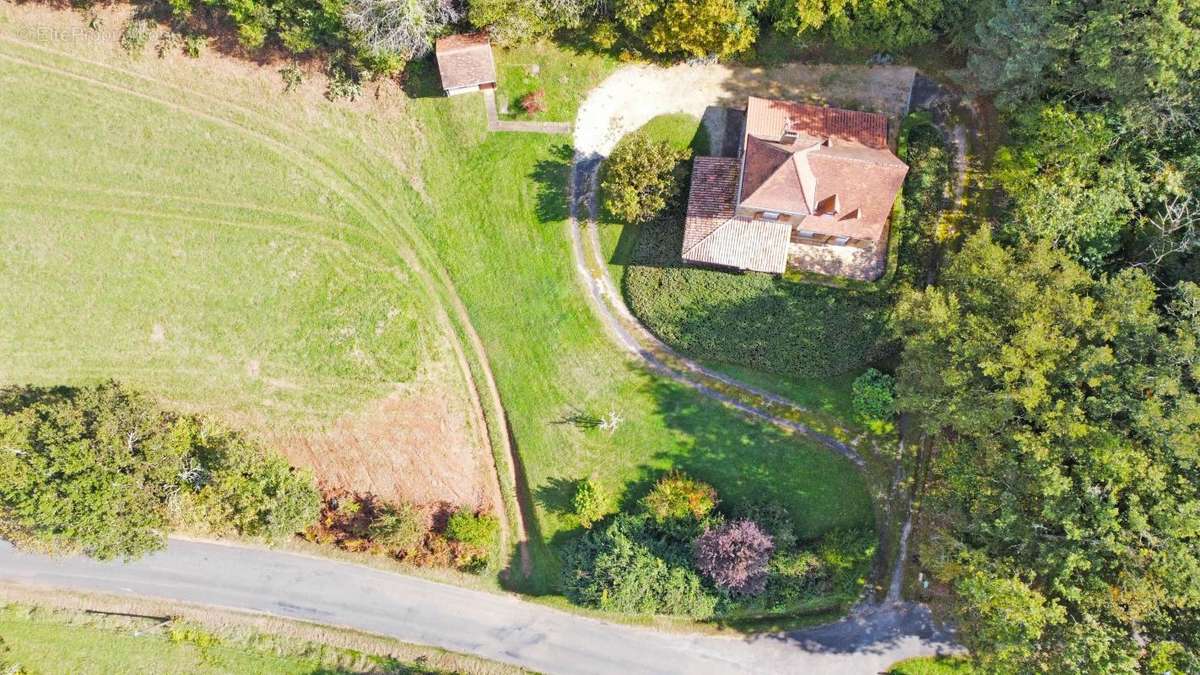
(465, 60)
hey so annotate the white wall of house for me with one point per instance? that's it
(462, 90)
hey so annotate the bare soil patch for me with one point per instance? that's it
(418, 444)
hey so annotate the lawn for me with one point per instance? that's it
(491, 208)
(50, 641)
(162, 244)
(930, 665)
(544, 66)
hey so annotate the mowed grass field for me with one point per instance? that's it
(491, 209)
(169, 241)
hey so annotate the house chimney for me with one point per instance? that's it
(790, 132)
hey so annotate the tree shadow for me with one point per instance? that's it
(421, 79)
(558, 494)
(751, 461)
(551, 176)
(14, 398)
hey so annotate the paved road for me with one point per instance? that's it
(495, 626)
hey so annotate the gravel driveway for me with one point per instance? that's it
(634, 95)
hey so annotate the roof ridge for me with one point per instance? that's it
(709, 235)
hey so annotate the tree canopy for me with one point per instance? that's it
(1066, 474)
(104, 471)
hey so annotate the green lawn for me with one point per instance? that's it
(77, 650)
(491, 208)
(933, 666)
(51, 641)
(543, 66)
(186, 255)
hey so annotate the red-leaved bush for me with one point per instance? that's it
(534, 102)
(735, 556)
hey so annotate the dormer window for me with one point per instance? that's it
(770, 215)
(830, 206)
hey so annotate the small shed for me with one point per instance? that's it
(465, 63)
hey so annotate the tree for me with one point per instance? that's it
(513, 21)
(588, 503)
(248, 492)
(879, 24)
(91, 472)
(874, 395)
(641, 178)
(104, 471)
(735, 556)
(693, 28)
(1067, 421)
(1121, 50)
(404, 27)
(1068, 181)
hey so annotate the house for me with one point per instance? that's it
(465, 63)
(809, 183)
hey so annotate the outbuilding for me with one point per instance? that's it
(466, 63)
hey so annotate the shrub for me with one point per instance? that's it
(398, 528)
(167, 43)
(135, 35)
(588, 503)
(534, 102)
(677, 496)
(121, 471)
(642, 177)
(345, 521)
(194, 44)
(775, 520)
(623, 568)
(479, 530)
(874, 395)
(342, 85)
(735, 556)
(292, 77)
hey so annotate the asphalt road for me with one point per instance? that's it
(499, 627)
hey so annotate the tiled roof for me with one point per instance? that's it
(766, 118)
(465, 60)
(827, 154)
(713, 235)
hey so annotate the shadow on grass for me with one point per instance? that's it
(551, 175)
(422, 80)
(17, 397)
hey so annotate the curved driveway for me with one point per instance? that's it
(491, 625)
